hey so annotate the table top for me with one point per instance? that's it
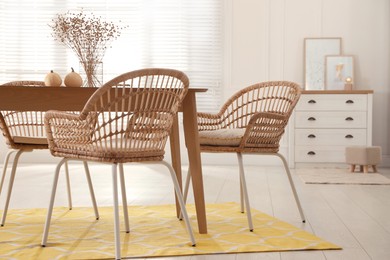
(21, 98)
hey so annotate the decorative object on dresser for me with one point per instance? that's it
(337, 70)
(348, 83)
(364, 156)
(315, 51)
(326, 122)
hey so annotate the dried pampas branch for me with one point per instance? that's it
(88, 36)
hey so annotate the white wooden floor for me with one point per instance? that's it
(356, 217)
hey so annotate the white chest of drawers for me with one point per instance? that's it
(325, 122)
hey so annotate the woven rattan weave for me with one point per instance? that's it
(252, 121)
(128, 119)
(24, 131)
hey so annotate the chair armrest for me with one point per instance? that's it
(61, 114)
(64, 129)
(207, 121)
(264, 129)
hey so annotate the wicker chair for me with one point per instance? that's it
(24, 132)
(132, 118)
(252, 121)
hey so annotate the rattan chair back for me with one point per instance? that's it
(275, 96)
(262, 109)
(127, 119)
(23, 129)
(252, 121)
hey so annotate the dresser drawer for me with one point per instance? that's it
(331, 137)
(317, 154)
(321, 119)
(332, 102)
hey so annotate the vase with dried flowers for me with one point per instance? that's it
(88, 36)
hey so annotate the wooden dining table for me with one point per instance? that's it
(27, 98)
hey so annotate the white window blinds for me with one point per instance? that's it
(181, 34)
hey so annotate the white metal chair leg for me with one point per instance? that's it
(124, 197)
(187, 185)
(181, 202)
(91, 191)
(186, 188)
(51, 203)
(10, 185)
(5, 166)
(116, 211)
(68, 186)
(245, 191)
(241, 197)
(292, 186)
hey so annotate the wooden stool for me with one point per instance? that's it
(364, 156)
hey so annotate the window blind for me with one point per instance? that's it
(180, 34)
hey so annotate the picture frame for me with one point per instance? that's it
(315, 51)
(337, 69)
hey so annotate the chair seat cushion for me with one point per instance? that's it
(120, 150)
(222, 137)
(29, 140)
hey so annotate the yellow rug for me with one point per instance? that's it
(155, 231)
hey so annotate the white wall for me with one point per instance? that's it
(268, 36)
(265, 42)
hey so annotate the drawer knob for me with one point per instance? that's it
(349, 119)
(312, 118)
(311, 101)
(311, 153)
(349, 101)
(311, 136)
(349, 136)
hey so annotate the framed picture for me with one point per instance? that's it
(338, 68)
(316, 49)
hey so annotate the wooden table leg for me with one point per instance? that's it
(174, 140)
(192, 142)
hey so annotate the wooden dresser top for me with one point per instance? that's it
(355, 91)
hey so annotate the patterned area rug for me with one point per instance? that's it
(155, 231)
(340, 176)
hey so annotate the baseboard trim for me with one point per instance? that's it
(385, 161)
